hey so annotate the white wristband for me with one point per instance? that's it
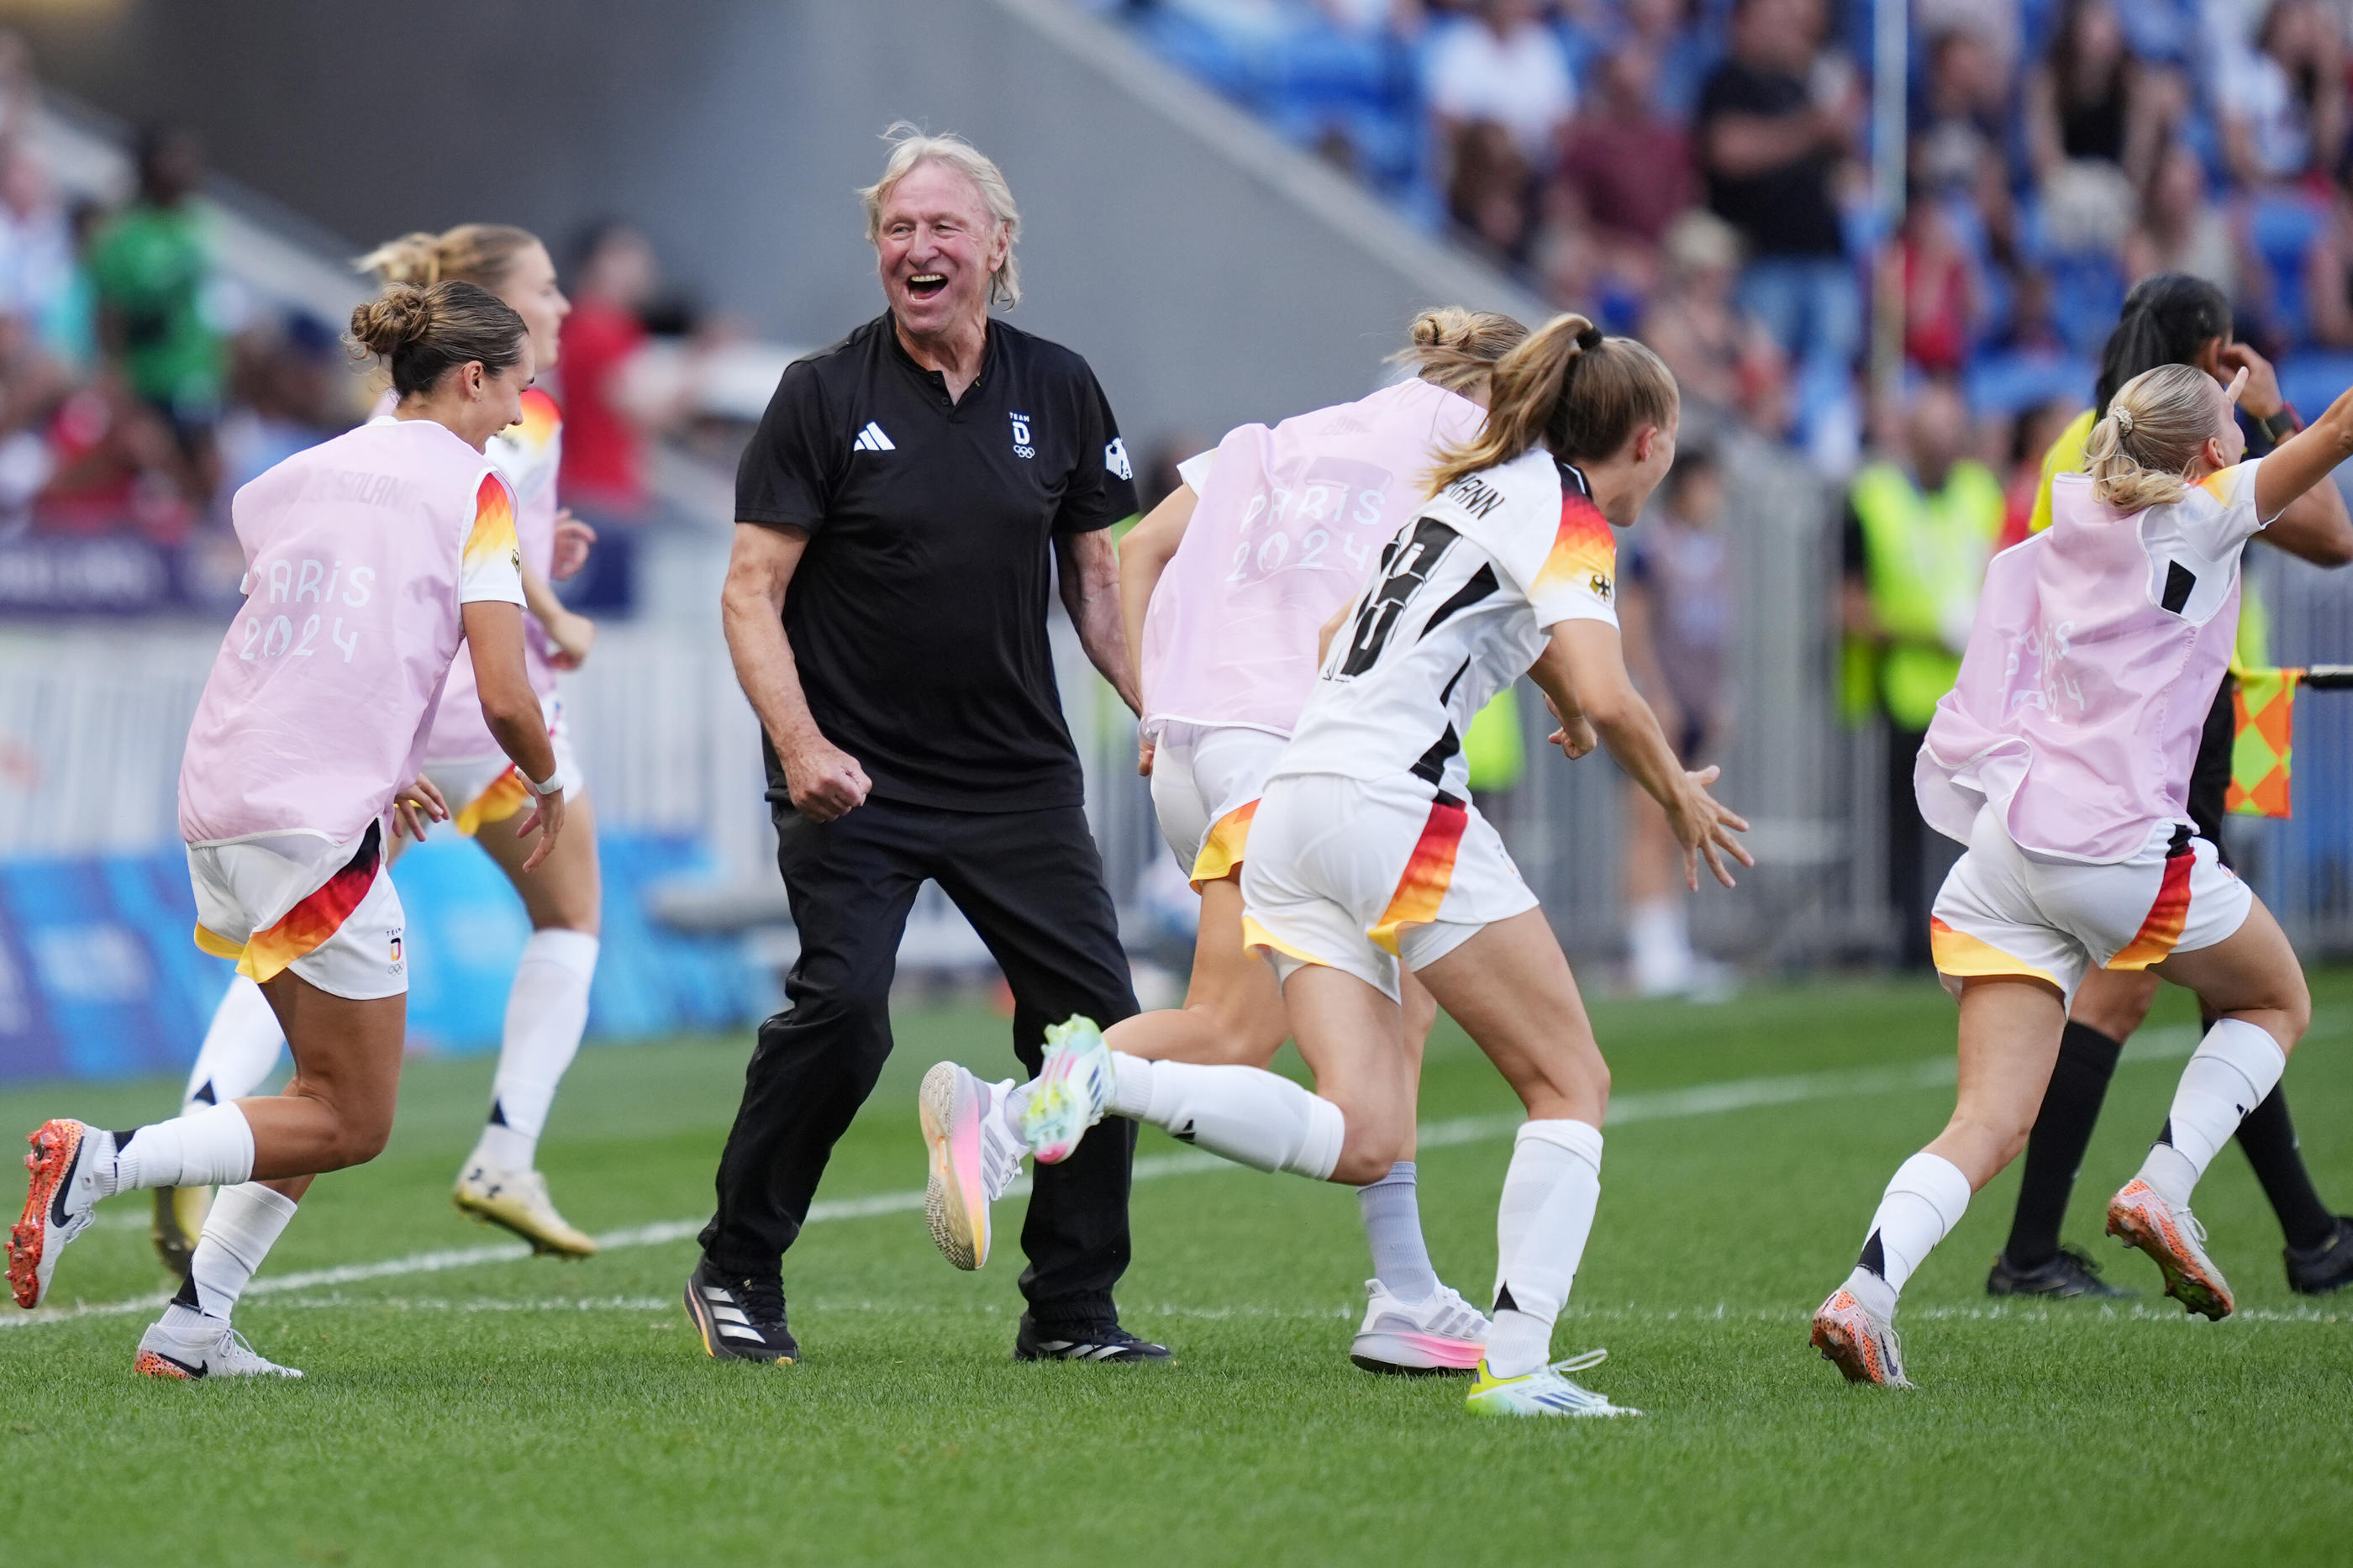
(555, 785)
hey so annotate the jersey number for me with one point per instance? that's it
(1406, 566)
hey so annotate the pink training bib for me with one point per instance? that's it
(527, 454)
(1291, 520)
(358, 553)
(2096, 652)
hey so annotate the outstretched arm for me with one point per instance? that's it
(2304, 458)
(1090, 574)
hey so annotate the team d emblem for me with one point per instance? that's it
(1022, 445)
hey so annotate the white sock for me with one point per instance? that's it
(547, 1007)
(244, 1223)
(240, 1050)
(212, 1148)
(1549, 1194)
(1658, 936)
(1924, 1199)
(2237, 1064)
(1250, 1116)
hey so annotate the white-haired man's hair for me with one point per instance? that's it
(911, 148)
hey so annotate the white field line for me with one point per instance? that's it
(1654, 1105)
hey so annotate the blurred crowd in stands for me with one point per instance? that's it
(1696, 172)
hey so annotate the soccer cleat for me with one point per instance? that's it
(2176, 1243)
(2328, 1266)
(59, 1207)
(1101, 1344)
(2066, 1274)
(974, 1159)
(1442, 1335)
(206, 1348)
(518, 1201)
(739, 1320)
(1857, 1341)
(1544, 1391)
(179, 1222)
(1072, 1091)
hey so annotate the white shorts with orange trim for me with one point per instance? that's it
(2005, 911)
(1206, 782)
(291, 901)
(1356, 877)
(482, 789)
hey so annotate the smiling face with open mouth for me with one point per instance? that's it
(937, 247)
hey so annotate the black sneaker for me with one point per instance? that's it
(2318, 1271)
(1097, 1342)
(739, 1320)
(2068, 1273)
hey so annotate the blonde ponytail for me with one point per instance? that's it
(2142, 453)
(480, 253)
(1566, 385)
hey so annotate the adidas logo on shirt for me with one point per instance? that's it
(872, 439)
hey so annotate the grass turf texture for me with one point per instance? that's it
(537, 1412)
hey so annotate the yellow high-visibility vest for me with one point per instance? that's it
(1924, 559)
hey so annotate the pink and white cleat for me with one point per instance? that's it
(974, 1158)
(1441, 1334)
(1857, 1341)
(2175, 1241)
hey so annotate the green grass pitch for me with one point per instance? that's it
(495, 1410)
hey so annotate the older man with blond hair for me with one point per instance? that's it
(899, 515)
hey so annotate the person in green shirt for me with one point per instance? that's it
(150, 265)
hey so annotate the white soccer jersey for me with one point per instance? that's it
(1458, 609)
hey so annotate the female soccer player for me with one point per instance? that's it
(368, 559)
(2062, 759)
(1227, 586)
(2173, 318)
(1365, 852)
(547, 1006)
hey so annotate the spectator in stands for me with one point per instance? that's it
(2282, 101)
(1628, 162)
(1919, 530)
(1679, 47)
(2035, 432)
(605, 429)
(2096, 121)
(1504, 66)
(152, 265)
(2328, 277)
(1488, 195)
(1931, 273)
(1721, 355)
(2180, 230)
(1771, 133)
(1958, 146)
(40, 264)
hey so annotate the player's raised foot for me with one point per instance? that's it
(1103, 1344)
(1439, 1334)
(2316, 1271)
(179, 1221)
(1545, 1392)
(187, 1346)
(2175, 1241)
(63, 1198)
(2063, 1276)
(518, 1201)
(974, 1158)
(1070, 1092)
(739, 1319)
(1857, 1341)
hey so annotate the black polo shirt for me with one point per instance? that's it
(918, 613)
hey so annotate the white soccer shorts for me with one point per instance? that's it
(265, 904)
(1356, 876)
(483, 790)
(2004, 911)
(1206, 782)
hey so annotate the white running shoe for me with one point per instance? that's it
(975, 1157)
(1443, 1333)
(1070, 1092)
(518, 1201)
(1857, 1341)
(2139, 1217)
(64, 1161)
(205, 1348)
(1542, 1392)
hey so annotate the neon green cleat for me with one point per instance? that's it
(1070, 1092)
